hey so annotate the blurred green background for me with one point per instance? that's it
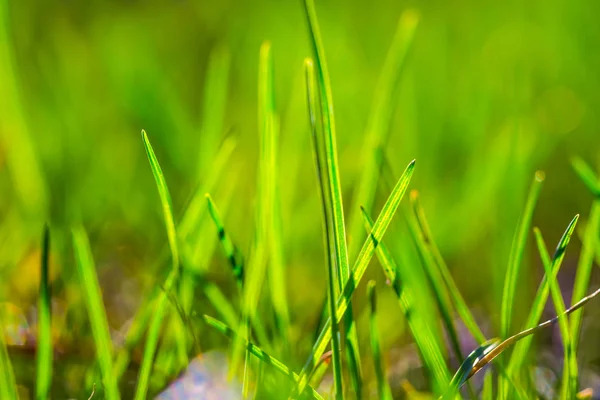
(491, 92)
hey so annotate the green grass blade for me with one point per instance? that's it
(587, 175)
(516, 254)
(429, 243)
(44, 351)
(487, 393)
(327, 238)
(161, 306)
(518, 356)
(214, 102)
(335, 192)
(265, 188)
(383, 387)
(360, 266)
(430, 350)
(257, 352)
(237, 266)
(570, 361)
(95, 308)
(378, 125)
(8, 384)
(436, 281)
(586, 258)
(194, 212)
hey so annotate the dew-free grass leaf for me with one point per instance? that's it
(378, 125)
(426, 341)
(516, 254)
(585, 263)
(95, 308)
(162, 300)
(570, 361)
(237, 266)
(428, 243)
(44, 351)
(484, 354)
(587, 175)
(335, 192)
(8, 384)
(322, 179)
(257, 352)
(360, 266)
(383, 388)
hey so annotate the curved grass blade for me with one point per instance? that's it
(378, 125)
(426, 341)
(43, 379)
(156, 320)
(237, 266)
(518, 355)
(335, 192)
(587, 175)
(483, 355)
(327, 236)
(570, 361)
(383, 387)
(257, 352)
(516, 254)
(360, 266)
(95, 308)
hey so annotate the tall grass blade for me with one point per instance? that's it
(95, 308)
(516, 254)
(43, 379)
(360, 266)
(586, 257)
(328, 239)
(487, 393)
(161, 305)
(383, 388)
(430, 350)
(570, 361)
(378, 125)
(429, 244)
(257, 352)
(335, 193)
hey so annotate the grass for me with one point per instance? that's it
(267, 328)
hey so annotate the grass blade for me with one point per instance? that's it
(587, 175)
(237, 266)
(8, 384)
(426, 341)
(327, 235)
(378, 125)
(570, 361)
(360, 266)
(516, 254)
(156, 320)
(383, 387)
(483, 355)
(429, 243)
(44, 351)
(257, 352)
(487, 393)
(335, 193)
(586, 257)
(518, 355)
(95, 308)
